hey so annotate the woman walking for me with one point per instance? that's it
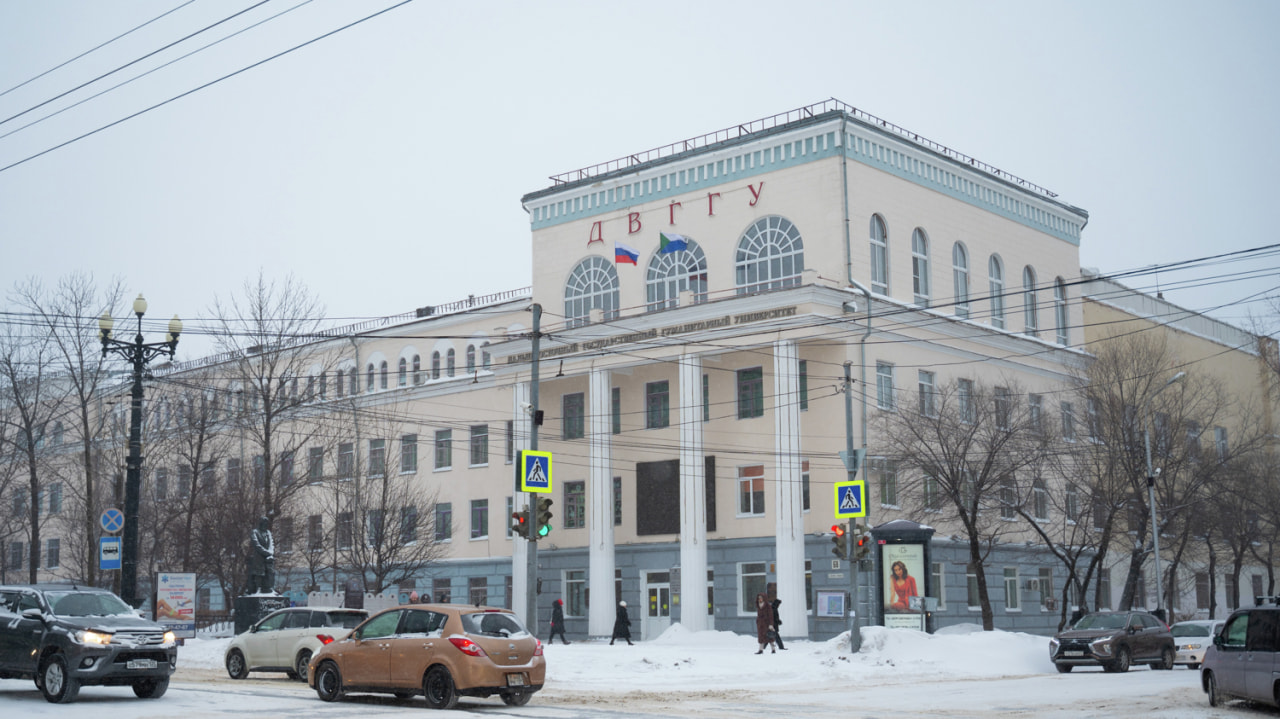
(764, 624)
(622, 625)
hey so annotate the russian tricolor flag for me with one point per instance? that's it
(623, 254)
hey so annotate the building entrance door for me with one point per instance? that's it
(657, 611)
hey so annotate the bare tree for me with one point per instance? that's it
(968, 449)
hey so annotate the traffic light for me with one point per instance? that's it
(520, 524)
(543, 517)
(861, 541)
(840, 550)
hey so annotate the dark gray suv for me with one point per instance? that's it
(1245, 656)
(64, 636)
(1115, 641)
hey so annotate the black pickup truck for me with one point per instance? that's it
(64, 636)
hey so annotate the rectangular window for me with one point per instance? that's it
(884, 474)
(259, 471)
(751, 581)
(377, 457)
(804, 484)
(1008, 499)
(657, 405)
(479, 518)
(53, 554)
(964, 396)
(315, 532)
(1035, 413)
(286, 473)
(750, 393)
(442, 589)
(346, 530)
(1072, 503)
(375, 527)
(1220, 442)
(408, 453)
(444, 449)
(161, 484)
(1068, 423)
(971, 579)
(184, 481)
(573, 408)
(575, 593)
(932, 494)
(1012, 600)
(617, 501)
(751, 490)
(938, 584)
(346, 460)
(478, 590)
(1045, 585)
(928, 392)
(1040, 499)
(615, 410)
(444, 522)
(1093, 421)
(1004, 404)
(804, 385)
(55, 498)
(511, 442)
(1104, 588)
(575, 505)
(315, 465)
(479, 445)
(1202, 590)
(706, 398)
(511, 509)
(408, 524)
(884, 386)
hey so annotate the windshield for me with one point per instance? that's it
(1102, 621)
(495, 624)
(86, 604)
(1190, 630)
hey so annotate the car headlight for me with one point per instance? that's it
(1188, 647)
(85, 636)
(1101, 646)
(169, 638)
(1053, 646)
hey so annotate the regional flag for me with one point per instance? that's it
(671, 243)
(623, 254)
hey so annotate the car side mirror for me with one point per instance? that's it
(1217, 641)
(33, 614)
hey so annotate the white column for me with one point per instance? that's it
(788, 492)
(600, 559)
(519, 546)
(693, 497)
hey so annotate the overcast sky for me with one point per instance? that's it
(383, 166)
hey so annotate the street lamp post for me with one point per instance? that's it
(138, 354)
(1151, 492)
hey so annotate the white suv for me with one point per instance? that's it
(284, 640)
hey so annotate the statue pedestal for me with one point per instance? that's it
(249, 609)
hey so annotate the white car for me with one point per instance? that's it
(1192, 638)
(284, 640)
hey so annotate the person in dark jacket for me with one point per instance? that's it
(557, 622)
(764, 624)
(777, 623)
(622, 625)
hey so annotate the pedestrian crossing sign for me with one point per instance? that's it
(851, 499)
(535, 471)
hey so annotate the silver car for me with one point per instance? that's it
(1192, 639)
(1243, 661)
(285, 640)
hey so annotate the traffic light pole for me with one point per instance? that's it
(855, 636)
(531, 570)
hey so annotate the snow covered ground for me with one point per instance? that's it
(959, 672)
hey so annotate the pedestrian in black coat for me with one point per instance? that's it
(557, 622)
(777, 622)
(622, 625)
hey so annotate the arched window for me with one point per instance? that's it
(920, 267)
(471, 359)
(402, 376)
(593, 284)
(369, 378)
(341, 387)
(1060, 310)
(435, 365)
(960, 270)
(995, 275)
(879, 256)
(450, 362)
(353, 381)
(671, 273)
(770, 256)
(485, 358)
(382, 375)
(1029, 301)
(417, 370)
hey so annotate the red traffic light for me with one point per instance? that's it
(838, 529)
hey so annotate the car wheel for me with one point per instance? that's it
(1121, 664)
(56, 682)
(328, 682)
(438, 688)
(236, 666)
(1166, 660)
(516, 699)
(1064, 668)
(1211, 688)
(300, 664)
(151, 688)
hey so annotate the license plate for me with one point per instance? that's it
(1073, 654)
(141, 664)
(515, 680)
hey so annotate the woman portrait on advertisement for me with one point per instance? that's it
(902, 586)
(903, 563)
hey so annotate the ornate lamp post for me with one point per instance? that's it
(138, 354)
(1151, 493)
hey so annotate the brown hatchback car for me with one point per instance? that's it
(441, 651)
(1114, 640)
